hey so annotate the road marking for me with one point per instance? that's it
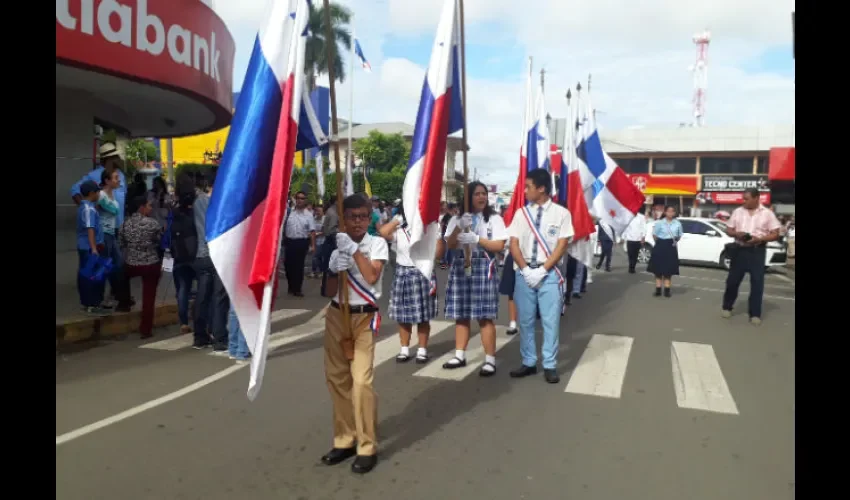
(388, 348)
(784, 278)
(777, 297)
(285, 337)
(474, 359)
(698, 380)
(602, 367)
(184, 341)
(783, 287)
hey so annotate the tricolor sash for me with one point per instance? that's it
(541, 241)
(433, 282)
(364, 293)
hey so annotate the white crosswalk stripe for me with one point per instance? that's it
(601, 369)
(698, 380)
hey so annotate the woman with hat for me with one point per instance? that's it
(475, 296)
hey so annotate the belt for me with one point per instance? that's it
(364, 309)
(534, 265)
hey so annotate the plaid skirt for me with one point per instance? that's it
(475, 297)
(410, 297)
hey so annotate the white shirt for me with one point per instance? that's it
(401, 238)
(495, 226)
(373, 248)
(636, 229)
(556, 223)
(300, 224)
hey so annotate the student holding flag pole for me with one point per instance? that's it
(352, 320)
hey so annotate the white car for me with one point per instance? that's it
(704, 240)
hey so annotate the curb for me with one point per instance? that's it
(87, 329)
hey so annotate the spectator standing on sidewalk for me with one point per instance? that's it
(140, 237)
(753, 226)
(108, 210)
(184, 249)
(89, 242)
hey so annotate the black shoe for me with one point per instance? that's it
(454, 363)
(551, 376)
(199, 344)
(598, 267)
(524, 371)
(657, 292)
(666, 292)
(511, 331)
(364, 463)
(297, 294)
(631, 271)
(337, 455)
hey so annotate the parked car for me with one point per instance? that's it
(704, 241)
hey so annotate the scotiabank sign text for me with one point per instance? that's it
(177, 43)
(734, 182)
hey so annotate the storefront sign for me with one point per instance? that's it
(734, 182)
(677, 185)
(176, 44)
(729, 198)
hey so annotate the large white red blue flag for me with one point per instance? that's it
(581, 247)
(247, 210)
(611, 196)
(518, 198)
(440, 114)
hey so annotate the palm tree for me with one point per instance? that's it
(316, 58)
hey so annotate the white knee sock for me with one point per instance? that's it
(405, 350)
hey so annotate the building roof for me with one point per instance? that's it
(689, 139)
(361, 131)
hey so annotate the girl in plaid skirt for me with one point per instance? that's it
(413, 297)
(475, 297)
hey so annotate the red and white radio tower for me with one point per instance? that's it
(700, 71)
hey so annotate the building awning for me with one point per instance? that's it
(666, 185)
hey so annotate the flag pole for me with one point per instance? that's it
(349, 158)
(467, 252)
(331, 49)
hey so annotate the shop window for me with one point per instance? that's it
(763, 165)
(633, 165)
(739, 165)
(676, 166)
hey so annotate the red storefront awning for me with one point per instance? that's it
(783, 165)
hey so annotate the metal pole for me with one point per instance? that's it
(467, 265)
(170, 161)
(349, 157)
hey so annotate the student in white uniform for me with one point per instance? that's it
(475, 297)
(413, 297)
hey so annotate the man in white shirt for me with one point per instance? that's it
(634, 235)
(299, 237)
(539, 236)
(350, 349)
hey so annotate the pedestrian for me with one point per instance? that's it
(606, 241)
(330, 226)
(108, 210)
(539, 238)
(635, 236)
(237, 346)
(506, 287)
(140, 238)
(299, 239)
(753, 226)
(475, 296)
(89, 242)
(184, 249)
(413, 297)
(211, 302)
(350, 349)
(316, 261)
(664, 262)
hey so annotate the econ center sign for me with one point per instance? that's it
(182, 45)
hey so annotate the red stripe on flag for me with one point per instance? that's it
(435, 160)
(583, 225)
(518, 198)
(264, 265)
(625, 191)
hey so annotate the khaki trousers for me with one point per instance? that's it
(355, 404)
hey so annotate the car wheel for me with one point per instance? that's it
(725, 262)
(644, 254)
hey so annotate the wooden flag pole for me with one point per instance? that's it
(467, 251)
(330, 44)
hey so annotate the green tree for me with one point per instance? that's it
(316, 55)
(382, 152)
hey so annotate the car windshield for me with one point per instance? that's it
(720, 225)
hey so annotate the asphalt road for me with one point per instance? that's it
(659, 399)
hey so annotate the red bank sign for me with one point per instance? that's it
(181, 44)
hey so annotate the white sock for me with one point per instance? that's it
(459, 354)
(512, 325)
(422, 352)
(492, 362)
(405, 350)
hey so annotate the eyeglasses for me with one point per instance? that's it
(354, 217)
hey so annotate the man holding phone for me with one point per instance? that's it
(753, 226)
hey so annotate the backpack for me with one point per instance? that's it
(184, 237)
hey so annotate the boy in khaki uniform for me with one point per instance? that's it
(350, 353)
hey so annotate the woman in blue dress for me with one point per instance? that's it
(664, 262)
(475, 296)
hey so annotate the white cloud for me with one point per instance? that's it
(637, 52)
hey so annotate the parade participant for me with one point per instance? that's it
(506, 287)
(753, 226)
(350, 349)
(413, 297)
(475, 297)
(635, 235)
(539, 235)
(664, 262)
